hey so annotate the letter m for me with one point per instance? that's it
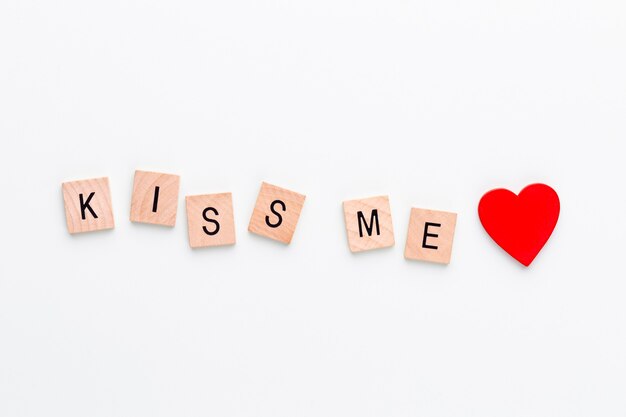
(368, 227)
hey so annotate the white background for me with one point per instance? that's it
(430, 102)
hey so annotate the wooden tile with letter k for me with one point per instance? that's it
(88, 205)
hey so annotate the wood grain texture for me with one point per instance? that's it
(210, 220)
(144, 208)
(95, 212)
(276, 213)
(437, 245)
(360, 215)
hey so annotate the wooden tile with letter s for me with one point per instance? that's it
(210, 220)
(368, 223)
(155, 198)
(276, 213)
(88, 205)
(430, 236)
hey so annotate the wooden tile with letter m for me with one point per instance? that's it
(368, 223)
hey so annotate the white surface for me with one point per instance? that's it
(431, 102)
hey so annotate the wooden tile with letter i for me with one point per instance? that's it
(368, 223)
(276, 213)
(430, 236)
(88, 205)
(210, 220)
(155, 198)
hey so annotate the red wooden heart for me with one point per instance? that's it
(520, 224)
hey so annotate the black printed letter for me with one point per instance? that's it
(85, 205)
(280, 218)
(370, 227)
(217, 225)
(427, 235)
(155, 202)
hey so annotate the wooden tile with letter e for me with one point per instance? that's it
(155, 198)
(88, 205)
(368, 223)
(276, 213)
(430, 236)
(210, 220)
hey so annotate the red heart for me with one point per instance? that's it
(520, 224)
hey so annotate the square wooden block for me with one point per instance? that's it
(368, 223)
(210, 220)
(430, 236)
(88, 205)
(155, 198)
(276, 213)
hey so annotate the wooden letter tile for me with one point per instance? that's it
(276, 213)
(368, 223)
(88, 205)
(430, 236)
(155, 198)
(210, 220)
